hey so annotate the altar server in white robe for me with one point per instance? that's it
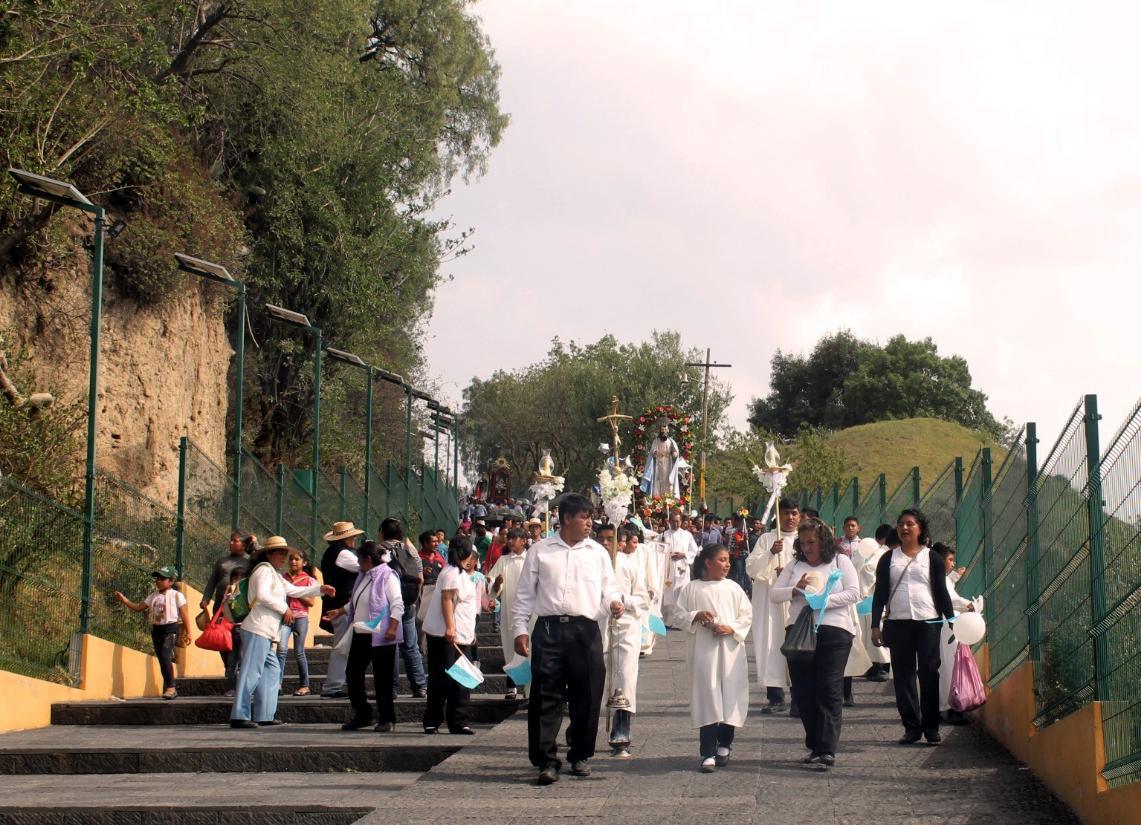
(504, 579)
(880, 657)
(716, 615)
(947, 646)
(768, 558)
(625, 634)
(681, 551)
(651, 556)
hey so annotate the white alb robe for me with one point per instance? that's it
(769, 619)
(630, 572)
(676, 572)
(947, 648)
(653, 559)
(718, 665)
(867, 570)
(509, 565)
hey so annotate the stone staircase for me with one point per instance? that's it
(102, 761)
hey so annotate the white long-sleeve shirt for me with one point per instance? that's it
(561, 580)
(837, 608)
(268, 592)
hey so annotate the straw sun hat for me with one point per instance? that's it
(275, 543)
(342, 530)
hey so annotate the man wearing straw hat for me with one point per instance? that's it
(568, 582)
(339, 568)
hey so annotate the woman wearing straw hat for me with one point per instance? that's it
(255, 698)
(449, 625)
(339, 567)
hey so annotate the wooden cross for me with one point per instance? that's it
(612, 420)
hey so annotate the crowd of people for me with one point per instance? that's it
(581, 601)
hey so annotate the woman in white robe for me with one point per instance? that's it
(880, 657)
(716, 615)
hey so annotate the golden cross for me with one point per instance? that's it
(612, 420)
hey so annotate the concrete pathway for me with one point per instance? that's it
(969, 779)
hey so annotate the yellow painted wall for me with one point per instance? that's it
(110, 670)
(1067, 756)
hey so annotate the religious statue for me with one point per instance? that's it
(499, 482)
(660, 478)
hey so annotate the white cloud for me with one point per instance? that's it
(756, 177)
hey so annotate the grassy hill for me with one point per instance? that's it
(894, 447)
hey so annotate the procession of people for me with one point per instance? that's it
(581, 596)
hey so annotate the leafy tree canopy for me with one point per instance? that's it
(847, 381)
(555, 403)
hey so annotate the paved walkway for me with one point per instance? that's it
(969, 779)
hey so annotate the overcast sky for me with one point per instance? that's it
(755, 175)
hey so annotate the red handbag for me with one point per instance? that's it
(217, 636)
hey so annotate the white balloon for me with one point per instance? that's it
(970, 628)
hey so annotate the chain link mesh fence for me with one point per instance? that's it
(938, 504)
(1121, 705)
(1006, 568)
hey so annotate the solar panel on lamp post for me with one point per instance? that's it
(65, 194)
(297, 319)
(219, 274)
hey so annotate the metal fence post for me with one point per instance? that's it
(280, 514)
(916, 493)
(881, 482)
(958, 501)
(240, 357)
(1034, 629)
(387, 489)
(856, 499)
(1096, 507)
(988, 527)
(835, 503)
(180, 514)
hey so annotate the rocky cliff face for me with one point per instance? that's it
(163, 368)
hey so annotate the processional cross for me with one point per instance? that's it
(612, 420)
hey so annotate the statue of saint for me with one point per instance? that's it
(660, 478)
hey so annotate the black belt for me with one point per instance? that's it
(568, 619)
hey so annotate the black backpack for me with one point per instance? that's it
(406, 564)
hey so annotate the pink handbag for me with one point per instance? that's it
(967, 689)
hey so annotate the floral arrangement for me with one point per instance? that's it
(617, 492)
(646, 427)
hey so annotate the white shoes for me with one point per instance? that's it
(708, 765)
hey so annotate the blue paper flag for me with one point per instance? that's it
(817, 601)
(465, 673)
(657, 625)
(864, 607)
(520, 672)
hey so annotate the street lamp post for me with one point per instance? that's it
(298, 319)
(219, 274)
(66, 194)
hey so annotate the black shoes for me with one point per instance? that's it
(385, 727)
(849, 702)
(243, 724)
(420, 693)
(774, 707)
(464, 731)
(910, 738)
(933, 737)
(356, 724)
(580, 768)
(549, 775)
(270, 723)
(822, 761)
(431, 730)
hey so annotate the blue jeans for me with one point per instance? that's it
(298, 630)
(410, 654)
(256, 695)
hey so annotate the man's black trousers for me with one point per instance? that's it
(566, 665)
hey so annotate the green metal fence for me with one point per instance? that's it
(1121, 627)
(940, 500)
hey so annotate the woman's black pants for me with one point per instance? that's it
(914, 647)
(818, 688)
(383, 661)
(448, 700)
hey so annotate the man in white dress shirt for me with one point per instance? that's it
(568, 583)
(681, 550)
(768, 558)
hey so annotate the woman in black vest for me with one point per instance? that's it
(339, 567)
(911, 598)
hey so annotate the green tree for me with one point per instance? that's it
(555, 404)
(846, 381)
